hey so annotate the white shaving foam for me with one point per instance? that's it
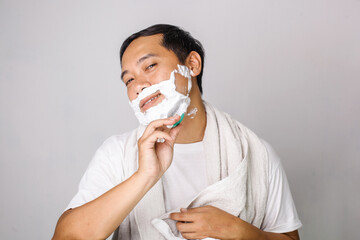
(173, 104)
(192, 113)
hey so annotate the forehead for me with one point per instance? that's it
(141, 46)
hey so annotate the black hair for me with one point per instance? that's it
(174, 39)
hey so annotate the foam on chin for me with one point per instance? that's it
(173, 104)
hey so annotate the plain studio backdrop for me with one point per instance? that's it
(289, 70)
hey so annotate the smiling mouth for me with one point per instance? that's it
(149, 101)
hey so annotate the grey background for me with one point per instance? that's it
(289, 70)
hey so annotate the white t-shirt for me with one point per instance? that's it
(184, 179)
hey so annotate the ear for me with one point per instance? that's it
(193, 62)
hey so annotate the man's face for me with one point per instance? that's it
(146, 62)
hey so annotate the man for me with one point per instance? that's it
(207, 177)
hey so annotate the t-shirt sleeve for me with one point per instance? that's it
(281, 215)
(103, 173)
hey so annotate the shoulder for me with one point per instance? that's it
(273, 158)
(115, 143)
(111, 152)
(105, 170)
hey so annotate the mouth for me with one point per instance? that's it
(150, 101)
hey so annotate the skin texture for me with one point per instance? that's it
(146, 62)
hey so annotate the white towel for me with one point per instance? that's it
(237, 169)
(227, 194)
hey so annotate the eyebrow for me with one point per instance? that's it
(143, 58)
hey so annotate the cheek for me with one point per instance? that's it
(161, 74)
(181, 84)
(159, 77)
(131, 94)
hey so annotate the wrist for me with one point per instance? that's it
(246, 231)
(238, 229)
(148, 181)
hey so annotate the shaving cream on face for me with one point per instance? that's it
(173, 104)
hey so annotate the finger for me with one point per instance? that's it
(152, 139)
(160, 123)
(186, 227)
(184, 217)
(192, 210)
(174, 132)
(183, 210)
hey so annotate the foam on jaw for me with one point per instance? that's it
(173, 104)
(192, 113)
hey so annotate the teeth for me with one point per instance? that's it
(151, 99)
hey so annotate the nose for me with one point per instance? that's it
(141, 84)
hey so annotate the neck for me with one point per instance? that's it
(193, 125)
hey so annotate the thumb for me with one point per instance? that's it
(174, 132)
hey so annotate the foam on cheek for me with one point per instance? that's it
(174, 102)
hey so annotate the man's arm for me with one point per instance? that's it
(250, 232)
(99, 218)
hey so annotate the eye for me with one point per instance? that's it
(128, 81)
(150, 66)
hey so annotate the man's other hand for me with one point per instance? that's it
(209, 221)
